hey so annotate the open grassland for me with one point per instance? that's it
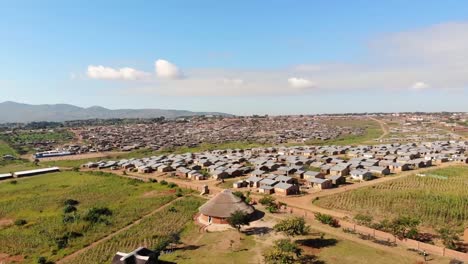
(372, 131)
(48, 230)
(17, 165)
(151, 232)
(433, 199)
(5, 149)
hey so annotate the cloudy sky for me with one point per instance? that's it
(242, 57)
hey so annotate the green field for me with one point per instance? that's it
(5, 149)
(434, 200)
(150, 232)
(372, 131)
(39, 201)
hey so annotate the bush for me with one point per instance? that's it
(179, 192)
(43, 260)
(327, 219)
(71, 202)
(14, 182)
(69, 209)
(153, 180)
(266, 200)
(163, 182)
(68, 219)
(294, 226)
(61, 242)
(171, 185)
(97, 215)
(20, 222)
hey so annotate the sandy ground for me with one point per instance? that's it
(5, 222)
(89, 155)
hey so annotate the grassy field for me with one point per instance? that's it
(5, 149)
(17, 165)
(216, 248)
(432, 199)
(211, 248)
(151, 232)
(372, 131)
(39, 201)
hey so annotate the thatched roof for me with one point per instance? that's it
(224, 204)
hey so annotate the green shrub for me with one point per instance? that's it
(69, 209)
(20, 222)
(266, 200)
(71, 202)
(326, 219)
(97, 215)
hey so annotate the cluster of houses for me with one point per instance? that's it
(194, 131)
(284, 170)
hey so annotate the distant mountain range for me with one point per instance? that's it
(12, 112)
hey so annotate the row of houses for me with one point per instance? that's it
(285, 169)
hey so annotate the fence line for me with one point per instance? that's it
(378, 234)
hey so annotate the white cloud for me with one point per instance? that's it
(232, 81)
(435, 57)
(419, 86)
(108, 73)
(300, 83)
(167, 70)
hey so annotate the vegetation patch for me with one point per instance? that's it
(56, 214)
(156, 232)
(433, 201)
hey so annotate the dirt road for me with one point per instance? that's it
(383, 126)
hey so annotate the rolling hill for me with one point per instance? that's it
(12, 112)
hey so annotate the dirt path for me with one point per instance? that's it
(97, 242)
(383, 126)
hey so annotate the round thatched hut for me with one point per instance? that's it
(221, 207)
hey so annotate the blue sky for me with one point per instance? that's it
(243, 57)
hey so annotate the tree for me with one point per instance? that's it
(449, 237)
(269, 203)
(240, 195)
(267, 200)
(284, 251)
(404, 227)
(291, 227)
(238, 219)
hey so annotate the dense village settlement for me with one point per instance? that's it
(237, 184)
